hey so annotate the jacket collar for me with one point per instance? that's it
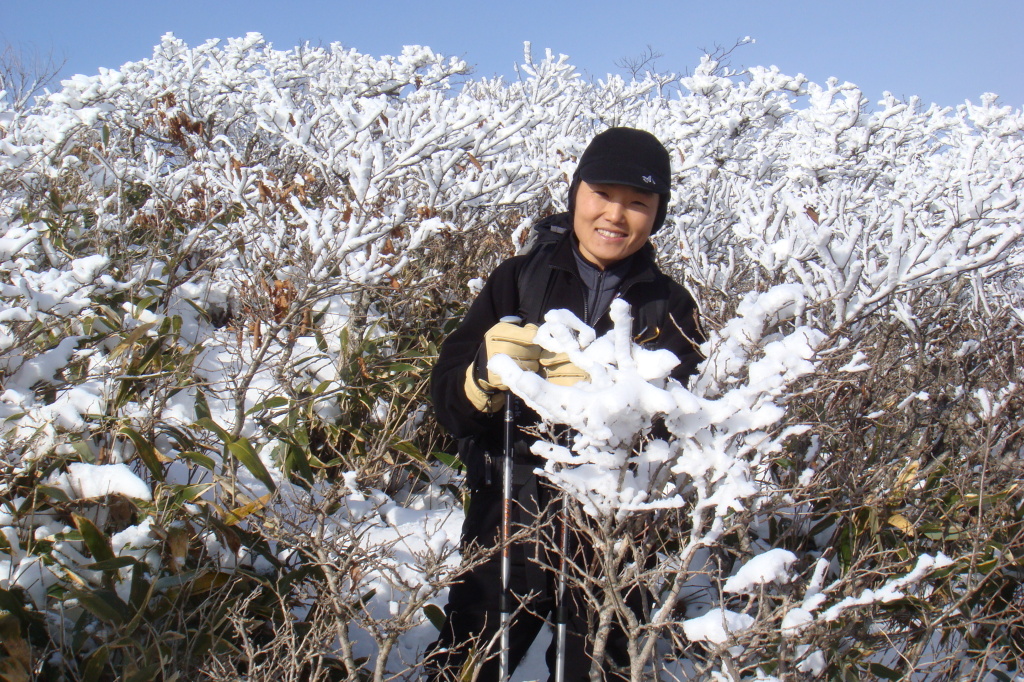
(642, 269)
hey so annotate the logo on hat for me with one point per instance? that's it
(648, 179)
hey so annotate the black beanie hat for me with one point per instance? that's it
(626, 156)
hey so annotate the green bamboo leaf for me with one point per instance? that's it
(296, 460)
(83, 450)
(171, 326)
(845, 544)
(173, 582)
(210, 425)
(96, 664)
(296, 429)
(269, 404)
(408, 447)
(200, 459)
(110, 317)
(209, 580)
(12, 604)
(55, 494)
(321, 342)
(95, 540)
(113, 564)
(141, 589)
(131, 339)
(202, 407)
(284, 585)
(243, 452)
(403, 367)
(144, 304)
(203, 313)
(884, 672)
(449, 460)
(183, 439)
(147, 453)
(124, 393)
(150, 360)
(188, 493)
(104, 604)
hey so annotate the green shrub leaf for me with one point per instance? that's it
(243, 452)
(95, 540)
(147, 453)
(105, 605)
(435, 615)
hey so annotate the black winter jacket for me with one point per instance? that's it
(680, 332)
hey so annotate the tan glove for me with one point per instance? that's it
(484, 396)
(515, 342)
(488, 395)
(559, 370)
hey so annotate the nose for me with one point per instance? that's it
(615, 212)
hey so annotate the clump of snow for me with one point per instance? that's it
(892, 590)
(771, 566)
(717, 626)
(85, 481)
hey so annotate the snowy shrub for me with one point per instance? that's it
(225, 271)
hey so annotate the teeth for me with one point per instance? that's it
(609, 234)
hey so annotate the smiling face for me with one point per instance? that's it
(612, 222)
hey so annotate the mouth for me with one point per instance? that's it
(609, 234)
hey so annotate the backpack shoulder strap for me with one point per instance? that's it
(544, 231)
(533, 282)
(534, 277)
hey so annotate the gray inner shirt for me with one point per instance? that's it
(602, 285)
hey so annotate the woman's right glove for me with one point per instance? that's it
(559, 370)
(484, 388)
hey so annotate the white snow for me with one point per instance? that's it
(771, 566)
(84, 481)
(717, 626)
(892, 589)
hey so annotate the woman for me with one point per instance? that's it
(618, 198)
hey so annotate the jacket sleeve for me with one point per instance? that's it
(498, 298)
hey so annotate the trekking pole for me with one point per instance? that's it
(506, 534)
(561, 603)
(505, 602)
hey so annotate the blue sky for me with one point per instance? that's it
(944, 51)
